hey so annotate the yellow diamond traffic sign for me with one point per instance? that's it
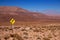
(12, 21)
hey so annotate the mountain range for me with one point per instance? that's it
(23, 15)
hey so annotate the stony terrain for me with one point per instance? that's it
(30, 32)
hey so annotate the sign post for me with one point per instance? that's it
(12, 21)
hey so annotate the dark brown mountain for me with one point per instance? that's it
(22, 15)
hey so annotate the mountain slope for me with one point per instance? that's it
(22, 15)
(51, 12)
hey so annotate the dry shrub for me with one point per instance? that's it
(38, 38)
(17, 36)
(26, 37)
(46, 39)
(25, 33)
(6, 37)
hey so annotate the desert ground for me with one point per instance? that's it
(30, 32)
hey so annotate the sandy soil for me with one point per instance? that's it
(30, 32)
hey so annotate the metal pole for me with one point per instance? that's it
(12, 28)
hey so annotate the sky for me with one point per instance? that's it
(33, 5)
